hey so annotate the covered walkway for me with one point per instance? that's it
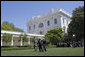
(16, 35)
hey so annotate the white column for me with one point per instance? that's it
(21, 41)
(12, 41)
(60, 21)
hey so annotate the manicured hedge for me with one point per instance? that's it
(3, 48)
(51, 46)
(15, 48)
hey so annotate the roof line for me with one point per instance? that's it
(18, 33)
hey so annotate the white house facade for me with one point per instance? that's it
(42, 23)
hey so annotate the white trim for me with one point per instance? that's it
(61, 10)
(18, 33)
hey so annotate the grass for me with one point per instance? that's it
(50, 52)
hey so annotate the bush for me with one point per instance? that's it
(15, 47)
(51, 46)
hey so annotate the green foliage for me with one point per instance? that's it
(51, 46)
(77, 24)
(32, 38)
(6, 27)
(20, 36)
(6, 37)
(25, 38)
(17, 29)
(66, 38)
(16, 48)
(5, 23)
(10, 26)
(54, 35)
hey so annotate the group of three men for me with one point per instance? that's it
(41, 44)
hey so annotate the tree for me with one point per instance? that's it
(7, 37)
(33, 38)
(66, 38)
(6, 27)
(17, 29)
(76, 26)
(10, 26)
(5, 23)
(54, 35)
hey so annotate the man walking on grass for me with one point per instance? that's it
(44, 45)
(40, 45)
(35, 45)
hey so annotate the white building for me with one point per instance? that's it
(42, 23)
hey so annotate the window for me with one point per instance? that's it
(64, 28)
(41, 25)
(67, 22)
(55, 21)
(41, 32)
(34, 26)
(48, 22)
(29, 27)
(63, 20)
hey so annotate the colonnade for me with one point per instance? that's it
(17, 34)
(12, 42)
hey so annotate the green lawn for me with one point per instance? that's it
(50, 52)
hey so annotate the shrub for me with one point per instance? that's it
(51, 46)
(15, 47)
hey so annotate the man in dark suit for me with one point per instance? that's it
(44, 45)
(40, 45)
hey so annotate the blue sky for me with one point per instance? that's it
(19, 12)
